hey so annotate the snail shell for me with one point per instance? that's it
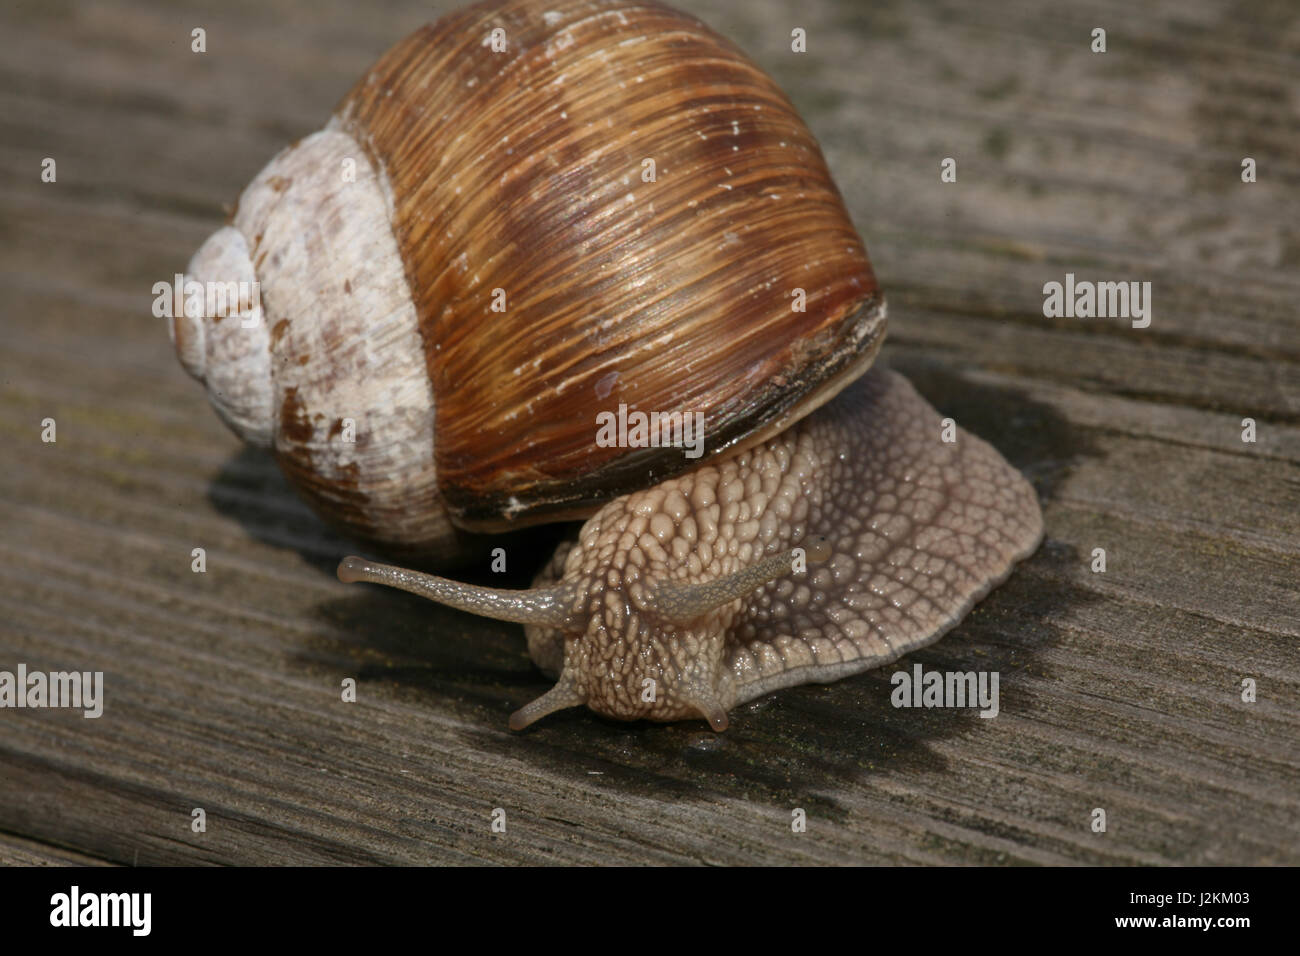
(480, 175)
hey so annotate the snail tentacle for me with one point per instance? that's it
(714, 713)
(681, 603)
(560, 697)
(546, 606)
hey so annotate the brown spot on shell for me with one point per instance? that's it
(295, 425)
(278, 331)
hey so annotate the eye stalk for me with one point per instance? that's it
(545, 606)
(681, 603)
(551, 606)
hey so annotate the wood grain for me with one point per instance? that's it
(1119, 690)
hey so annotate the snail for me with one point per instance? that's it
(530, 214)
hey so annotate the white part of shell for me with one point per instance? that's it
(336, 371)
(227, 349)
(189, 341)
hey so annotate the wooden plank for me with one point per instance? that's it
(17, 851)
(1120, 690)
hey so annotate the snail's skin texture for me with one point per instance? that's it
(917, 531)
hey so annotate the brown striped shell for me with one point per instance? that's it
(482, 174)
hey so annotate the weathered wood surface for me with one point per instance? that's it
(1119, 690)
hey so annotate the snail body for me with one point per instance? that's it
(679, 601)
(828, 528)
